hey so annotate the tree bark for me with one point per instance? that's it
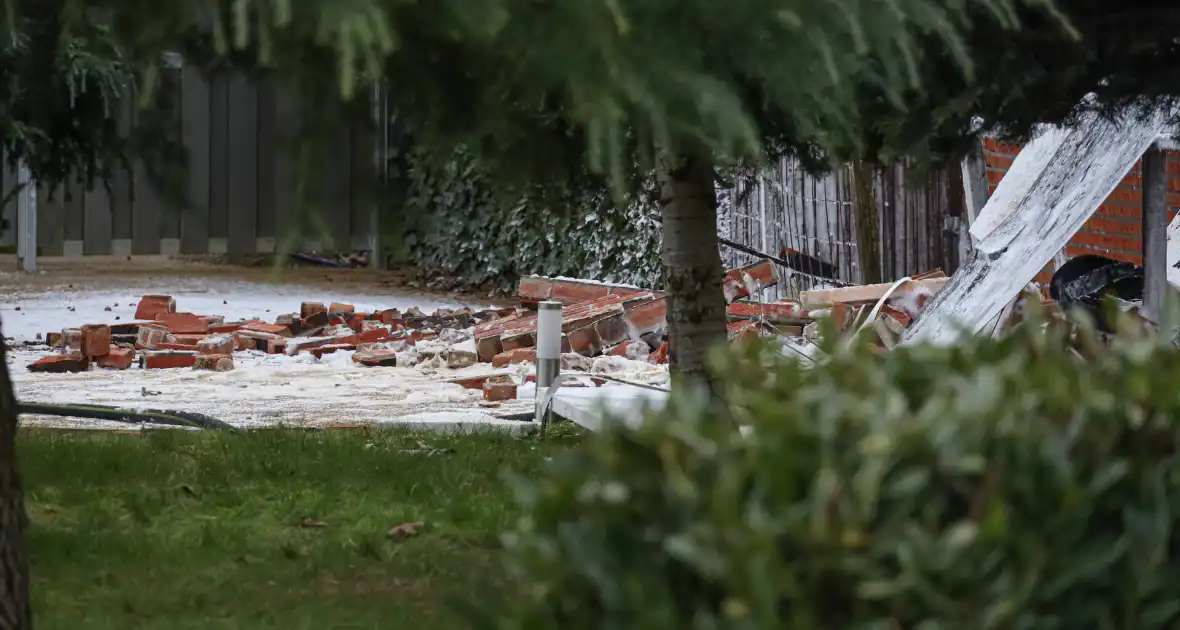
(692, 262)
(868, 238)
(14, 561)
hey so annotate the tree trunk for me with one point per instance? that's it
(692, 262)
(14, 565)
(868, 238)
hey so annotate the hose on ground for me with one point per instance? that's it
(102, 412)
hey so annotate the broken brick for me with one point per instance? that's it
(55, 339)
(585, 341)
(60, 363)
(96, 340)
(276, 345)
(772, 311)
(471, 382)
(167, 360)
(498, 391)
(648, 317)
(176, 346)
(524, 355)
(636, 350)
(504, 359)
(271, 329)
(72, 338)
(307, 309)
(376, 358)
(186, 339)
(117, 359)
(216, 344)
(744, 282)
(150, 336)
(183, 323)
(517, 341)
(152, 306)
(214, 362)
(388, 316)
(459, 359)
(660, 356)
(336, 308)
(612, 330)
(330, 348)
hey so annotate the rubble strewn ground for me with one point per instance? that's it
(348, 358)
(259, 354)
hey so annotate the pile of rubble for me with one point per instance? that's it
(163, 338)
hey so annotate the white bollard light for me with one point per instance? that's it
(548, 343)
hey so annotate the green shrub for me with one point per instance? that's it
(999, 484)
(464, 235)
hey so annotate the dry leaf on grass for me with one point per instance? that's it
(308, 521)
(405, 530)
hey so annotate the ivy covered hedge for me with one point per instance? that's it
(999, 484)
(461, 234)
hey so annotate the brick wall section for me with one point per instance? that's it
(1116, 228)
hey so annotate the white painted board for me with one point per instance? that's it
(1065, 191)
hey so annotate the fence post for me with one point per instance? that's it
(1155, 229)
(26, 221)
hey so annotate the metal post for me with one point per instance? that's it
(26, 221)
(1155, 229)
(380, 130)
(548, 351)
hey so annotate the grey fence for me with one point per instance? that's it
(788, 208)
(241, 190)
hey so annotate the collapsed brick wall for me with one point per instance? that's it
(1116, 229)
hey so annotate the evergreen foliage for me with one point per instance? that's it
(998, 484)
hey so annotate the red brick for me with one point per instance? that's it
(117, 359)
(504, 359)
(612, 329)
(356, 321)
(152, 306)
(183, 323)
(630, 349)
(60, 363)
(188, 340)
(568, 292)
(214, 362)
(307, 309)
(276, 345)
(897, 314)
(517, 341)
(648, 317)
(585, 341)
(167, 360)
(216, 344)
(472, 382)
(55, 339)
(72, 338)
(774, 311)
(498, 391)
(225, 328)
(336, 308)
(149, 336)
(388, 316)
(330, 348)
(534, 288)
(660, 356)
(524, 355)
(738, 283)
(185, 347)
(271, 329)
(376, 358)
(96, 340)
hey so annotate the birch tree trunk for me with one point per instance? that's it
(14, 564)
(692, 262)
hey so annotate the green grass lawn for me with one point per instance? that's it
(176, 530)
